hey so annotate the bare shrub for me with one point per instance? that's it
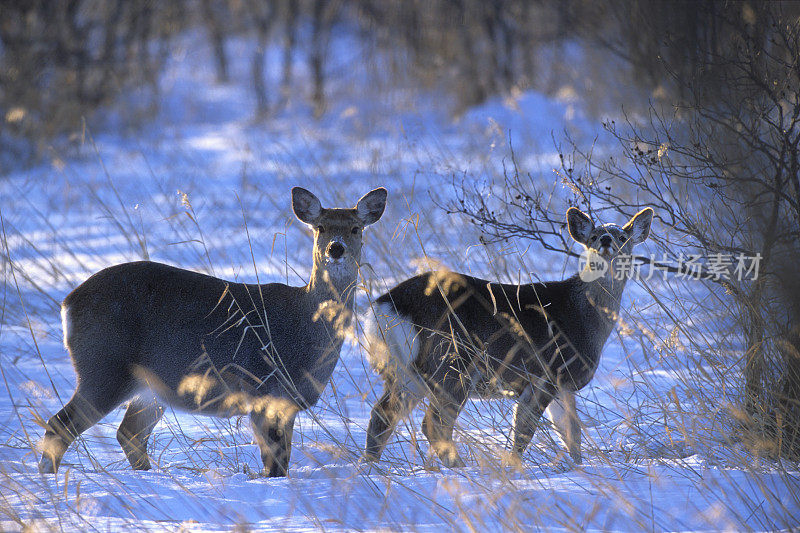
(720, 167)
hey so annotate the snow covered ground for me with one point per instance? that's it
(202, 187)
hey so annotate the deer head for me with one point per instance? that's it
(337, 233)
(608, 241)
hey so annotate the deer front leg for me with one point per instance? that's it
(563, 413)
(527, 413)
(273, 427)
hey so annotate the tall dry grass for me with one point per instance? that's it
(663, 413)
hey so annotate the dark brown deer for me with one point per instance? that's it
(446, 336)
(157, 333)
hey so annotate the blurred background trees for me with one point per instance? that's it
(717, 155)
(59, 62)
(711, 140)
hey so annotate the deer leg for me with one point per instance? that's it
(528, 411)
(88, 405)
(273, 432)
(440, 420)
(391, 407)
(134, 431)
(563, 413)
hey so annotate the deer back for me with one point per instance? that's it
(502, 331)
(169, 326)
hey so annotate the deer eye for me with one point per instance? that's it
(321, 229)
(354, 230)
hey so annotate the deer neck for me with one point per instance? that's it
(605, 296)
(337, 283)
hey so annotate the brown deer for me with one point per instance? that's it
(446, 336)
(156, 333)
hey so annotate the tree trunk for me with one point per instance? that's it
(214, 24)
(319, 42)
(289, 43)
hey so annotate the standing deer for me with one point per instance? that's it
(154, 332)
(447, 335)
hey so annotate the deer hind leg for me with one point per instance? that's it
(273, 426)
(528, 411)
(93, 399)
(394, 404)
(140, 418)
(440, 420)
(392, 348)
(563, 413)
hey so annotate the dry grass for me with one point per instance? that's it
(662, 445)
(640, 432)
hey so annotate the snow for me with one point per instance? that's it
(203, 186)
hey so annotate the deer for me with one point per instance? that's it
(448, 336)
(155, 334)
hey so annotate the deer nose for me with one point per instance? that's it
(605, 240)
(335, 250)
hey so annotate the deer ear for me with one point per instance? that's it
(579, 224)
(370, 207)
(639, 226)
(305, 205)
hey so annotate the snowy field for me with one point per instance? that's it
(203, 187)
